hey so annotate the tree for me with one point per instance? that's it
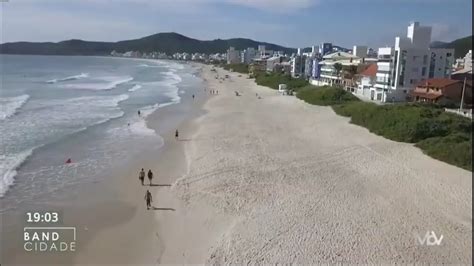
(352, 72)
(338, 68)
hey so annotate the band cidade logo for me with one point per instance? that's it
(49, 239)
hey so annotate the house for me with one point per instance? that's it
(367, 81)
(443, 91)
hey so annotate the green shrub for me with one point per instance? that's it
(272, 80)
(441, 135)
(240, 68)
(454, 149)
(325, 95)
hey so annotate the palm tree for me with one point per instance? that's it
(352, 71)
(338, 68)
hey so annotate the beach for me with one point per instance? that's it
(270, 180)
(276, 180)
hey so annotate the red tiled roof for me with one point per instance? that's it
(370, 71)
(430, 96)
(437, 82)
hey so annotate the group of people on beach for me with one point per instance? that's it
(214, 92)
(141, 177)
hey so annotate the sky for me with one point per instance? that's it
(291, 23)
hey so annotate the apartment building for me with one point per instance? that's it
(233, 56)
(248, 55)
(327, 73)
(402, 67)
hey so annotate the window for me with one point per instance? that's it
(423, 71)
(425, 59)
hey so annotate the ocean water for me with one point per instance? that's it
(84, 108)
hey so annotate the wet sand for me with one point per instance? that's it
(112, 222)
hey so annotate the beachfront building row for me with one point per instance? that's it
(411, 60)
(390, 76)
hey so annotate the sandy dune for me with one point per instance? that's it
(275, 180)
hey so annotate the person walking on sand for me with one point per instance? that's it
(150, 176)
(176, 134)
(193, 96)
(141, 176)
(139, 113)
(148, 199)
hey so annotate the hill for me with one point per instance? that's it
(163, 42)
(461, 46)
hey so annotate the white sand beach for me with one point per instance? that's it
(276, 180)
(270, 180)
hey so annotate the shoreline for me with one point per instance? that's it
(111, 222)
(275, 180)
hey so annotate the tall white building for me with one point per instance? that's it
(248, 55)
(297, 66)
(441, 61)
(468, 60)
(233, 56)
(402, 67)
(360, 51)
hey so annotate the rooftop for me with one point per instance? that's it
(370, 71)
(339, 56)
(437, 83)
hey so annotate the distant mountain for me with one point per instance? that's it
(460, 46)
(163, 42)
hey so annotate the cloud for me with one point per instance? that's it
(26, 24)
(276, 5)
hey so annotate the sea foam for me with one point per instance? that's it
(8, 166)
(80, 76)
(135, 87)
(112, 83)
(11, 104)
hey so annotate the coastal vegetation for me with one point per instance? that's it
(325, 95)
(444, 136)
(240, 68)
(272, 80)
